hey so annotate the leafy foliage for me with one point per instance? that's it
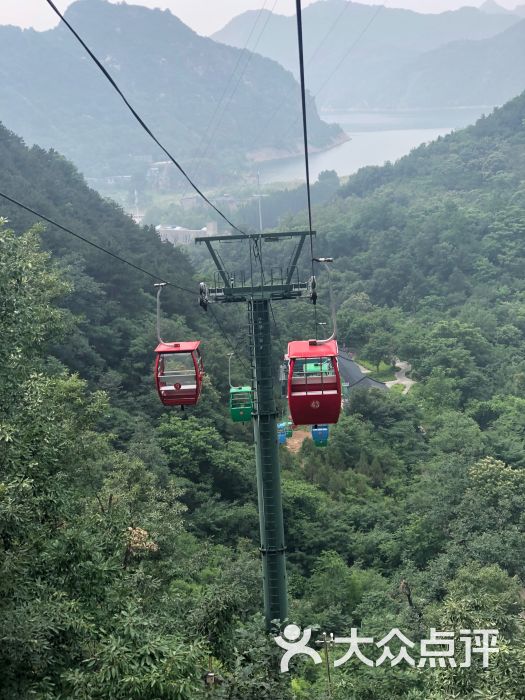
(128, 540)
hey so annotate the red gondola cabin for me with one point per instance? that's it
(314, 384)
(178, 373)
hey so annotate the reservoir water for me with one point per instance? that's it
(375, 137)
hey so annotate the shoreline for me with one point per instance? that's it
(403, 110)
(268, 155)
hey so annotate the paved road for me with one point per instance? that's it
(401, 376)
(355, 375)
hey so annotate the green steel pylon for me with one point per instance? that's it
(273, 550)
(258, 297)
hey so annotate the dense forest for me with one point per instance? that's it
(129, 534)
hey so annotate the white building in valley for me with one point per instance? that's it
(178, 235)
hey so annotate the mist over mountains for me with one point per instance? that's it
(491, 7)
(488, 71)
(53, 95)
(356, 54)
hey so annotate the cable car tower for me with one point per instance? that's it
(282, 285)
(231, 289)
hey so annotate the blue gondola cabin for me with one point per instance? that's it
(320, 435)
(281, 433)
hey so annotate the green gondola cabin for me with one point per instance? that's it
(241, 403)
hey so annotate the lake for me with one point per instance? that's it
(375, 137)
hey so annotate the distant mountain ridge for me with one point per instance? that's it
(486, 72)
(52, 94)
(491, 7)
(365, 46)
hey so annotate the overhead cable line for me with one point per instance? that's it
(140, 120)
(250, 56)
(350, 48)
(332, 73)
(310, 60)
(251, 53)
(240, 77)
(305, 125)
(100, 248)
(330, 30)
(218, 106)
(92, 243)
(305, 138)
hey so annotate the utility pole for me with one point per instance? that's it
(259, 199)
(258, 297)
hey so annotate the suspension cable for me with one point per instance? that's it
(305, 126)
(352, 46)
(308, 62)
(219, 105)
(92, 243)
(139, 119)
(305, 138)
(251, 54)
(100, 248)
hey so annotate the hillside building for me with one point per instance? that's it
(178, 235)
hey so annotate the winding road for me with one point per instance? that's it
(401, 376)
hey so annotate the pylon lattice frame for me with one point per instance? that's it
(271, 522)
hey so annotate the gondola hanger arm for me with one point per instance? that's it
(325, 261)
(230, 355)
(159, 286)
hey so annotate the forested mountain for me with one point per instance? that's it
(489, 71)
(439, 235)
(430, 265)
(366, 45)
(129, 562)
(53, 95)
(90, 512)
(480, 171)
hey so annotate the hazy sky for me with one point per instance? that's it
(206, 16)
